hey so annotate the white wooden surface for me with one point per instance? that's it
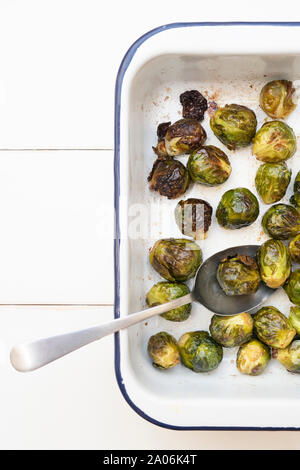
(58, 61)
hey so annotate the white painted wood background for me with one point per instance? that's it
(58, 62)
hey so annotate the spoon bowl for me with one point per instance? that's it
(208, 292)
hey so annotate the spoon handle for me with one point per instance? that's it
(30, 356)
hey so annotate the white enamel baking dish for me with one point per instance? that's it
(228, 63)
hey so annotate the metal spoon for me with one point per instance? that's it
(30, 356)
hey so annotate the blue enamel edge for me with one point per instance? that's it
(118, 89)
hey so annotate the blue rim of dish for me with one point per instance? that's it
(118, 88)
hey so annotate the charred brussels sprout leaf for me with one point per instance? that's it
(289, 357)
(274, 142)
(274, 263)
(231, 331)
(281, 221)
(234, 125)
(271, 181)
(238, 208)
(193, 218)
(194, 105)
(294, 248)
(169, 178)
(163, 292)
(163, 350)
(273, 328)
(292, 287)
(209, 166)
(295, 200)
(297, 183)
(162, 130)
(184, 136)
(160, 148)
(295, 318)
(199, 351)
(176, 259)
(278, 99)
(238, 275)
(253, 357)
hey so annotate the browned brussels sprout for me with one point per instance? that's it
(294, 318)
(193, 218)
(238, 275)
(294, 248)
(274, 142)
(184, 136)
(163, 350)
(274, 263)
(231, 331)
(273, 328)
(281, 221)
(176, 259)
(289, 357)
(163, 292)
(292, 287)
(169, 178)
(194, 105)
(238, 208)
(234, 125)
(199, 352)
(297, 183)
(295, 200)
(253, 357)
(271, 181)
(278, 99)
(208, 165)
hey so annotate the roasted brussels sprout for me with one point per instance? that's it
(184, 136)
(163, 292)
(163, 350)
(194, 105)
(273, 328)
(238, 275)
(231, 331)
(253, 357)
(193, 218)
(295, 200)
(289, 357)
(208, 165)
(292, 287)
(278, 99)
(274, 263)
(297, 183)
(274, 142)
(199, 351)
(294, 318)
(294, 248)
(234, 125)
(169, 178)
(271, 181)
(176, 259)
(238, 208)
(281, 221)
